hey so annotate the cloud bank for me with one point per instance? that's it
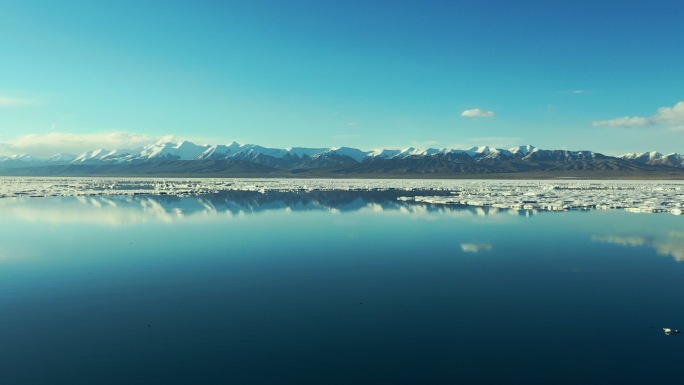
(8, 101)
(672, 117)
(478, 113)
(44, 145)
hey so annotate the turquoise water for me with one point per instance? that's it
(335, 288)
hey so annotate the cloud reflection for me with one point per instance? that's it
(476, 247)
(670, 244)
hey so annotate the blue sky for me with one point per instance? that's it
(600, 75)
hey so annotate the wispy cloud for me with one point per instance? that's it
(478, 113)
(9, 101)
(672, 117)
(626, 121)
(575, 92)
(59, 142)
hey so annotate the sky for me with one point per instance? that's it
(606, 76)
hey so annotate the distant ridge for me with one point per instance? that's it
(187, 159)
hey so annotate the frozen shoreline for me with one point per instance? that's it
(554, 195)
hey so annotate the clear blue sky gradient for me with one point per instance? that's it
(365, 74)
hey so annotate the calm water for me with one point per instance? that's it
(334, 288)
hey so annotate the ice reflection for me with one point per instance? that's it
(668, 244)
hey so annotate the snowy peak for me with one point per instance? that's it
(23, 158)
(656, 158)
(484, 150)
(477, 151)
(90, 155)
(353, 153)
(385, 154)
(215, 152)
(405, 153)
(523, 150)
(60, 158)
(303, 152)
(653, 155)
(219, 151)
(119, 155)
(183, 150)
(251, 151)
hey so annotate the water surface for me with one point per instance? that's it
(336, 287)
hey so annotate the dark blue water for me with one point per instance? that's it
(342, 288)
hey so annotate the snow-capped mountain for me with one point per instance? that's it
(189, 158)
(184, 150)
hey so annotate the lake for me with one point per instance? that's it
(336, 287)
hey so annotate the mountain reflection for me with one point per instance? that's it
(669, 244)
(126, 209)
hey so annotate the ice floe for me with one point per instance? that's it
(530, 195)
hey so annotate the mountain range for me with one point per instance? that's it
(187, 159)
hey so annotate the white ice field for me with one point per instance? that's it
(634, 196)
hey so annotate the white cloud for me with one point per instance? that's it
(672, 117)
(478, 113)
(625, 121)
(8, 101)
(69, 143)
